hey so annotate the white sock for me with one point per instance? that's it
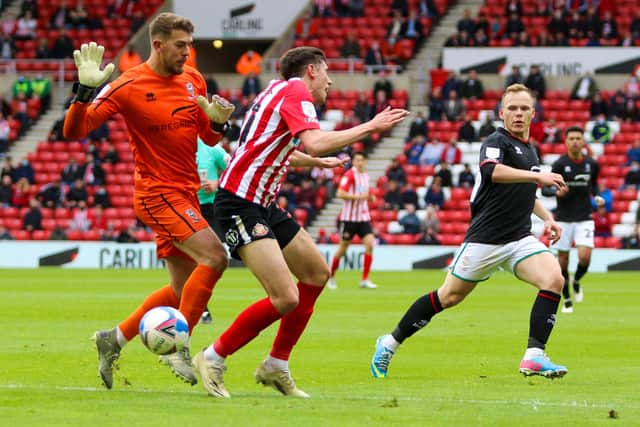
(532, 352)
(211, 355)
(390, 342)
(276, 364)
(120, 338)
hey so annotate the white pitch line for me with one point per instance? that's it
(533, 403)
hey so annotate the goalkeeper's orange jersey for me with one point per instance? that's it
(164, 121)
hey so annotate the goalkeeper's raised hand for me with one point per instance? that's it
(218, 110)
(88, 60)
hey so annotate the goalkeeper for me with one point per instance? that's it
(164, 104)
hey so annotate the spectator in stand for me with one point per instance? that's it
(8, 169)
(632, 178)
(429, 237)
(80, 220)
(58, 234)
(77, 194)
(545, 39)
(592, 39)
(362, 108)
(62, 46)
(558, 24)
(5, 134)
(71, 172)
(617, 106)
(436, 106)
(7, 47)
(306, 27)
(5, 234)
(6, 191)
(323, 8)
(410, 222)
(635, 25)
(392, 197)
(129, 58)
(22, 86)
(350, 48)
(61, 17)
(384, 84)
(93, 149)
(20, 108)
(431, 153)
(379, 103)
(92, 172)
(8, 24)
(514, 77)
(466, 23)
(495, 26)
(431, 219)
(409, 196)
(535, 81)
(453, 107)
(609, 26)
(466, 179)
(633, 155)
(522, 40)
(395, 172)
(78, 16)
(306, 197)
(418, 126)
(26, 27)
(630, 111)
(127, 236)
(602, 222)
(101, 197)
(576, 26)
(99, 134)
(444, 173)
(552, 135)
(435, 196)
(323, 177)
(513, 27)
(33, 218)
(451, 84)
(598, 106)
(137, 21)
(467, 132)
(626, 40)
(111, 154)
(601, 131)
(513, 6)
(42, 89)
(374, 55)
(480, 38)
(399, 5)
(453, 40)
(482, 23)
(21, 193)
(249, 62)
(412, 28)
(487, 128)
(585, 87)
(287, 190)
(606, 194)
(415, 149)
(98, 220)
(472, 88)
(24, 170)
(251, 85)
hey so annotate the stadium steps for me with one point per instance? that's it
(37, 133)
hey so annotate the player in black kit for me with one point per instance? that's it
(573, 213)
(502, 201)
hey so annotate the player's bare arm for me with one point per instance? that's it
(551, 228)
(507, 175)
(300, 159)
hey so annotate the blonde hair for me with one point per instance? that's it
(514, 88)
(163, 24)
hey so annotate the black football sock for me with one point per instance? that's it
(580, 272)
(417, 316)
(543, 317)
(565, 289)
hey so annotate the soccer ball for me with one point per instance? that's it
(164, 330)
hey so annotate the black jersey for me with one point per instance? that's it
(501, 213)
(582, 179)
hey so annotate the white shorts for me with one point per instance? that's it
(580, 233)
(475, 262)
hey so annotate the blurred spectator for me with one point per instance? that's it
(466, 178)
(545, 39)
(20, 109)
(379, 103)
(436, 105)
(24, 170)
(399, 5)
(495, 26)
(80, 219)
(98, 219)
(522, 40)
(306, 26)
(480, 38)
(62, 46)
(249, 62)
(609, 26)
(536, 81)
(472, 88)
(633, 155)
(7, 47)
(124, 8)
(631, 88)
(601, 131)
(71, 172)
(137, 21)
(412, 28)
(628, 242)
(33, 218)
(22, 86)
(592, 39)
(60, 18)
(428, 8)
(602, 222)
(617, 106)
(21, 193)
(99, 134)
(92, 148)
(7, 168)
(429, 237)
(362, 108)
(58, 234)
(251, 85)
(77, 194)
(26, 27)
(41, 87)
(101, 197)
(606, 194)
(635, 24)
(6, 191)
(513, 7)
(453, 107)
(431, 153)
(92, 172)
(514, 77)
(127, 236)
(435, 196)
(418, 126)
(392, 197)
(453, 41)
(576, 26)
(8, 24)
(78, 16)
(306, 197)
(287, 190)
(444, 173)
(431, 219)
(323, 8)
(552, 134)
(598, 106)
(467, 132)
(395, 27)
(4, 233)
(632, 178)
(396, 172)
(451, 153)
(557, 24)
(5, 133)
(487, 128)
(350, 48)
(384, 84)
(513, 27)
(466, 23)
(415, 149)
(323, 177)
(129, 58)
(584, 88)
(630, 111)
(626, 40)
(111, 154)
(374, 55)
(451, 84)
(408, 196)
(592, 22)
(410, 222)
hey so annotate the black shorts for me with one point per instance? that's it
(207, 212)
(244, 222)
(349, 229)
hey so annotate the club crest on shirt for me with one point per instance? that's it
(492, 152)
(518, 150)
(191, 90)
(259, 230)
(567, 168)
(194, 216)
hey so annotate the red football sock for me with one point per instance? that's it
(164, 296)
(294, 323)
(246, 327)
(196, 293)
(335, 262)
(368, 259)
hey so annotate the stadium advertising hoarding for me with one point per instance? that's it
(552, 61)
(239, 19)
(110, 255)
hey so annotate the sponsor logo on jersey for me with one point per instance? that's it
(231, 237)
(259, 230)
(582, 177)
(192, 214)
(567, 168)
(492, 153)
(191, 90)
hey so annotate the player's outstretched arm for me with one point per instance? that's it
(503, 174)
(318, 142)
(300, 159)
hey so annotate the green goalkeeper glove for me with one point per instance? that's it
(218, 110)
(88, 60)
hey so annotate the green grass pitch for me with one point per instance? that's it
(461, 370)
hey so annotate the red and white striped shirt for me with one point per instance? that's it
(355, 183)
(284, 109)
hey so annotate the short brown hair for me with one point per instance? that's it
(163, 24)
(294, 61)
(516, 87)
(574, 129)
